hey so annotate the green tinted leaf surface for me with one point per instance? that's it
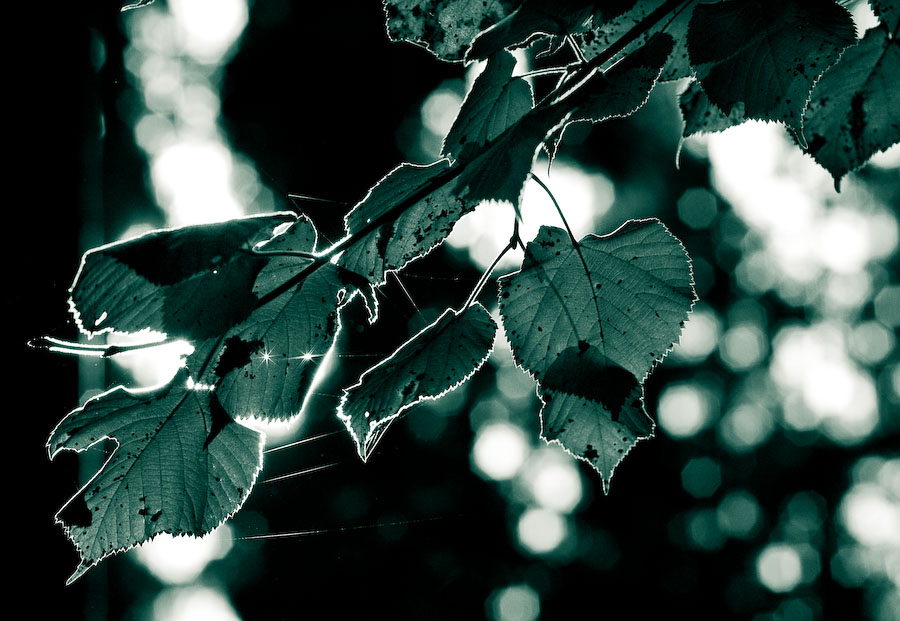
(533, 19)
(855, 108)
(433, 362)
(702, 116)
(589, 323)
(444, 27)
(182, 466)
(608, 31)
(193, 282)
(267, 363)
(495, 102)
(766, 54)
(888, 12)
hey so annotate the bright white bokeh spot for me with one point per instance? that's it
(699, 337)
(871, 342)
(180, 560)
(541, 531)
(193, 182)
(518, 602)
(583, 196)
(683, 410)
(871, 516)
(439, 110)
(843, 244)
(746, 426)
(779, 568)
(499, 450)
(739, 514)
(208, 28)
(743, 346)
(194, 603)
(152, 366)
(830, 392)
(553, 480)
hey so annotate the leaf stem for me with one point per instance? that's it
(61, 346)
(514, 241)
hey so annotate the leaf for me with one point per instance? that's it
(702, 116)
(495, 102)
(766, 54)
(588, 322)
(181, 466)
(287, 252)
(266, 364)
(432, 363)
(396, 236)
(533, 19)
(192, 282)
(888, 12)
(414, 208)
(609, 30)
(621, 91)
(443, 27)
(855, 108)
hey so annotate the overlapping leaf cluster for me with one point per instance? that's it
(260, 300)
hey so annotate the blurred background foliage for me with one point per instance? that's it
(772, 489)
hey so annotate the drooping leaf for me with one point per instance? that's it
(766, 54)
(855, 108)
(433, 362)
(588, 322)
(444, 27)
(888, 12)
(702, 116)
(609, 30)
(531, 20)
(495, 102)
(622, 90)
(192, 282)
(182, 466)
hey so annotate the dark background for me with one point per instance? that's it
(314, 97)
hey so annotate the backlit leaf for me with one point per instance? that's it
(435, 361)
(182, 466)
(766, 54)
(702, 116)
(192, 282)
(444, 27)
(607, 31)
(589, 322)
(855, 108)
(495, 102)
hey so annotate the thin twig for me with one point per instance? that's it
(61, 346)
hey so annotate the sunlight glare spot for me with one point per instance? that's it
(151, 366)
(193, 182)
(179, 560)
(541, 531)
(887, 306)
(683, 410)
(499, 450)
(208, 28)
(843, 242)
(194, 603)
(779, 568)
(871, 342)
